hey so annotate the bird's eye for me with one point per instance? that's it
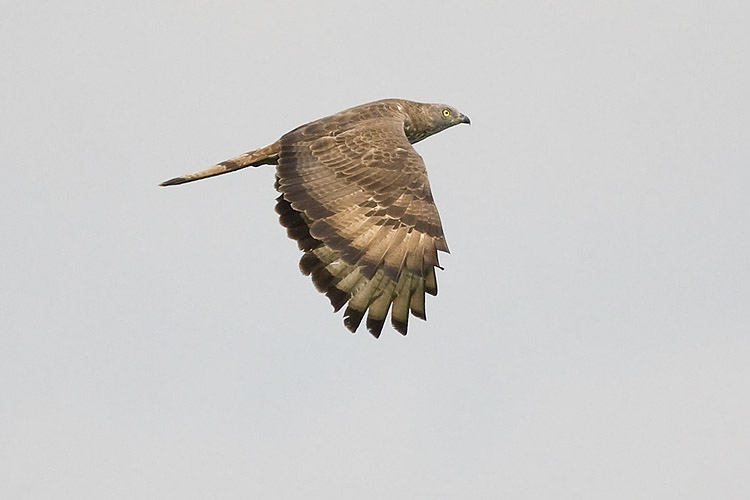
(446, 113)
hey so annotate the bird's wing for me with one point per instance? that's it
(355, 196)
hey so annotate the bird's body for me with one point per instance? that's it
(356, 198)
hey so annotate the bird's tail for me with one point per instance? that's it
(268, 155)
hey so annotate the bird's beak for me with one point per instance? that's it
(465, 119)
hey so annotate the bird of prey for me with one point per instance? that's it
(355, 197)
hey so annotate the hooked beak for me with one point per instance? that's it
(465, 119)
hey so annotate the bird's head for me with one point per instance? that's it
(429, 119)
(449, 116)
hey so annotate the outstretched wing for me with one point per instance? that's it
(355, 196)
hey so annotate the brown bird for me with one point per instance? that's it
(355, 197)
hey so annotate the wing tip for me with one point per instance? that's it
(419, 313)
(337, 297)
(400, 326)
(352, 319)
(375, 326)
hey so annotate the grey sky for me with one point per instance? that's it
(590, 338)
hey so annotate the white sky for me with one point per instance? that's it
(591, 336)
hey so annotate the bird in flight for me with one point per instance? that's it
(356, 199)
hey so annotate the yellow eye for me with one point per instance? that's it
(446, 113)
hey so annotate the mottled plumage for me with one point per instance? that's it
(355, 197)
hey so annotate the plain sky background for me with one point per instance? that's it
(591, 338)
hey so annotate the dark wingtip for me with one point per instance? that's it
(400, 326)
(352, 318)
(419, 314)
(375, 326)
(337, 297)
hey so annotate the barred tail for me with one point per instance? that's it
(268, 155)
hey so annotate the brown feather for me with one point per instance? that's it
(356, 198)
